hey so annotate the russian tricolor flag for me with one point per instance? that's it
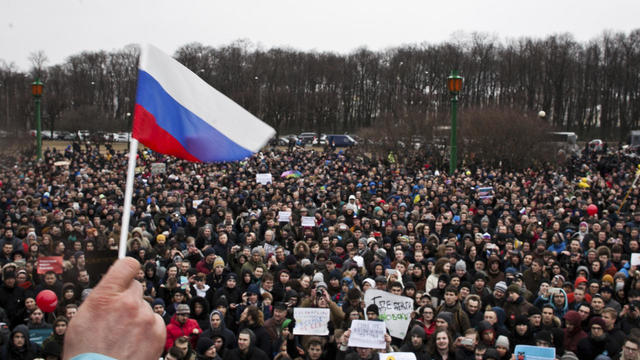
(179, 114)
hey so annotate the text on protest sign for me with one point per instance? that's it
(308, 221)
(49, 263)
(264, 179)
(283, 216)
(528, 352)
(397, 356)
(311, 321)
(395, 310)
(367, 334)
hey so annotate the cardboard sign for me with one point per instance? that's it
(308, 221)
(635, 259)
(158, 168)
(367, 334)
(528, 352)
(311, 321)
(283, 216)
(49, 263)
(98, 262)
(395, 310)
(397, 356)
(264, 179)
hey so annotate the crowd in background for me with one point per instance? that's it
(537, 257)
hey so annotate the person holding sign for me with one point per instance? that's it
(360, 353)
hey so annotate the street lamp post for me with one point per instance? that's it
(36, 91)
(454, 83)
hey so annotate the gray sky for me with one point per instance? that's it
(65, 27)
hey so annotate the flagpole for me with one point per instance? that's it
(128, 194)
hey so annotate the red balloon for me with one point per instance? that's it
(47, 301)
(592, 209)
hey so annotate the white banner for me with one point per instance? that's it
(264, 179)
(158, 168)
(308, 221)
(395, 310)
(367, 334)
(397, 356)
(283, 216)
(311, 321)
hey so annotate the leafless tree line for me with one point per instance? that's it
(591, 88)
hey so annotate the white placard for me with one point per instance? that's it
(397, 356)
(283, 216)
(158, 168)
(264, 179)
(635, 259)
(394, 310)
(197, 203)
(308, 221)
(359, 260)
(367, 334)
(311, 321)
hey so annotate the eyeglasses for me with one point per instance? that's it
(596, 327)
(630, 349)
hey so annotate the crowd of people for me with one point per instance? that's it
(492, 257)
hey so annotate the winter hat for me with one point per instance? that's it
(374, 309)
(305, 262)
(446, 316)
(369, 281)
(502, 341)
(382, 253)
(183, 309)
(490, 354)
(513, 288)
(597, 321)
(204, 344)
(208, 251)
(522, 319)
(510, 270)
(607, 279)
(534, 310)
(318, 277)
(461, 265)
(544, 335)
(218, 262)
(291, 259)
(501, 286)
(157, 301)
(572, 317)
(580, 279)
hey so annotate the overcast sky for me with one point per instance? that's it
(65, 27)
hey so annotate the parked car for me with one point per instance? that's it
(341, 140)
(307, 138)
(596, 145)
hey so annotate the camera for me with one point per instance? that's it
(319, 292)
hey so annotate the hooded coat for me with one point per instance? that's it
(572, 338)
(203, 318)
(253, 353)
(421, 352)
(27, 352)
(223, 331)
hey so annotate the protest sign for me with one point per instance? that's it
(197, 203)
(283, 216)
(49, 263)
(367, 334)
(635, 259)
(158, 168)
(308, 221)
(264, 179)
(395, 310)
(528, 352)
(38, 335)
(311, 321)
(485, 192)
(397, 356)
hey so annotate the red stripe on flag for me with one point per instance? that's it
(147, 131)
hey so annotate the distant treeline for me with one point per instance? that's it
(591, 88)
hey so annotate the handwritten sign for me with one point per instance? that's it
(158, 168)
(311, 321)
(485, 192)
(367, 334)
(395, 310)
(308, 221)
(635, 259)
(49, 263)
(397, 356)
(197, 203)
(264, 179)
(283, 216)
(528, 352)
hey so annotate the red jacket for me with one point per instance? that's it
(175, 330)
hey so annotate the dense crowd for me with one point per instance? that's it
(536, 257)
